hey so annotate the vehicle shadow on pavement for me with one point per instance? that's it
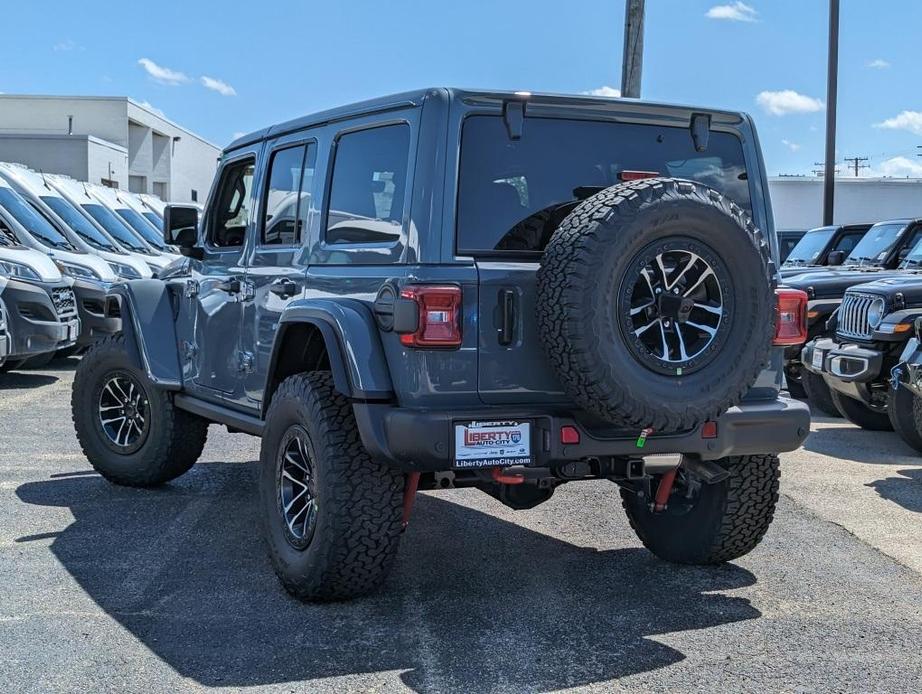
(905, 490)
(854, 443)
(20, 380)
(475, 602)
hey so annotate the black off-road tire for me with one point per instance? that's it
(173, 442)
(40, 361)
(584, 273)
(727, 520)
(358, 523)
(819, 395)
(795, 385)
(860, 414)
(905, 412)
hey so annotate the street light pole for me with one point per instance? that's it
(832, 79)
(632, 58)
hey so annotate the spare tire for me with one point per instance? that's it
(656, 303)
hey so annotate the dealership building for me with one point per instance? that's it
(114, 141)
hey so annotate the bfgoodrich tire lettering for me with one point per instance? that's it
(172, 440)
(357, 525)
(582, 297)
(726, 520)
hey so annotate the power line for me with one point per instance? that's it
(820, 170)
(856, 163)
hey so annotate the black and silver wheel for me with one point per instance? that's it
(709, 523)
(676, 305)
(331, 515)
(128, 429)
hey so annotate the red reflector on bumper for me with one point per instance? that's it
(569, 435)
(709, 430)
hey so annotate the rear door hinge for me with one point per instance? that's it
(191, 289)
(246, 362)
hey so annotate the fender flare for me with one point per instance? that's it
(149, 330)
(352, 342)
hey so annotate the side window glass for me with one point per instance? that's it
(281, 225)
(230, 215)
(368, 186)
(847, 243)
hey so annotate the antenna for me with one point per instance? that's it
(44, 180)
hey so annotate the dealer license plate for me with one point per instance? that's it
(492, 444)
(818, 359)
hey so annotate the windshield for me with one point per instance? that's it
(79, 224)
(32, 221)
(155, 220)
(914, 258)
(873, 248)
(140, 225)
(116, 228)
(810, 247)
(513, 193)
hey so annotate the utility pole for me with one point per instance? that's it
(820, 169)
(632, 59)
(832, 87)
(856, 164)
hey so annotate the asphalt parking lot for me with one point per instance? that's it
(106, 588)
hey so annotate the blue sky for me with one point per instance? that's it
(223, 68)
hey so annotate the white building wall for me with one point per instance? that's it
(797, 203)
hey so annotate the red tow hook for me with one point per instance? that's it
(409, 496)
(502, 478)
(664, 490)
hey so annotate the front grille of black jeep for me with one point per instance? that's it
(853, 315)
(64, 302)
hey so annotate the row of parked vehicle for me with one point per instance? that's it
(862, 359)
(63, 244)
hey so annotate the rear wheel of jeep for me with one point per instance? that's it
(819, 395)
(655, 304)
(860, 414)
(331, 515)
(709, 523)
(905, 412)
(128, 429)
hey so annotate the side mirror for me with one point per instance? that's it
(180, 225)
(835, 258)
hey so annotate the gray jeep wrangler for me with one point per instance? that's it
(451, 288)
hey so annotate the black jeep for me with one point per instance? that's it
(871, 328)
(822, 247)
(446, 288)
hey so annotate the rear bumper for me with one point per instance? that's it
(91, 307)
(34, 334)
(416, 440)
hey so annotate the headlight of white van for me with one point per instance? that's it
(80, 271)
(19, 270)
(125, 271)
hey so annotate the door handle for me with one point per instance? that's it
(231, 286)
(506, 316)
(284, 288)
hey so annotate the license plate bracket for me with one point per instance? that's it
(818, 359)
(492, 444)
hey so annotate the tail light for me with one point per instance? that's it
(790, 317)
(628, 175)
(438, 322)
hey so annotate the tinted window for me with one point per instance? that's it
(513, 193)
(155, 220)
(116, 228)
(873, 248)
(291, 173)
(142, 227)
(230, 215)
(847, 242)
(31, 220)
(79, 224)
(808, 249)
(368, 186)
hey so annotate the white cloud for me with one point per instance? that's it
(905, 120)
(67, 45)
(786, 101)
(734, 12)
(219, 86)
(793, 146)
(898, 167)
(879, 64)
(150, 107)
(603, 91)
(163, 75)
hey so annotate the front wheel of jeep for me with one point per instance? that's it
(860, 414)
(331, 515)
(128, 429)
(709, 523)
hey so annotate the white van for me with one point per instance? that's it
(83, 233)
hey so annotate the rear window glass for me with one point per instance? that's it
(513, 193)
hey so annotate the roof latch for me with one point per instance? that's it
(514, 117)
(700, 130)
